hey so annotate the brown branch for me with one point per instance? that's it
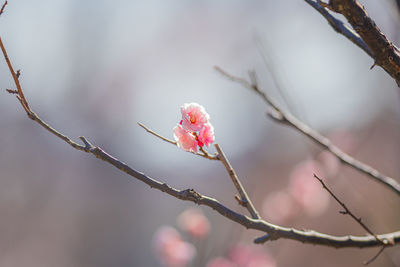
(11, 91)
(340, 27)
(244, 199)
(274, 231)
(156, 134)
(3, 6)
(284, 117)
(204, 153)
(380, 48)
(348, 212)
(375, 257)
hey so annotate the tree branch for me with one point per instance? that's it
(275, 232)
(287, 118)
(244, 199)
(380, 48)
(347, 211)
(204, 153)
(375, 257)
(3, 6)
(15, 75)
(340, 27)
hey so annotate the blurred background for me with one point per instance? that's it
(96, 68)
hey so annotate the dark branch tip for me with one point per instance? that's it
(262, 239)
(11, 91)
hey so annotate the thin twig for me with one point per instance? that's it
(276, 232)
(375, 257)
(2, 7)
(12, 91)
(348, 212)
(204, 153)
(156, 134)
(282, 116)
(20, 95)
(244, 198)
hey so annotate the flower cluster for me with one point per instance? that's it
(194, 129)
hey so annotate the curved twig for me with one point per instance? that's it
(284, 117)
(2, 7)
(244, 199)
(204, 153)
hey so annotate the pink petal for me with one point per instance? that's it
(206, 135)
(194, 116)
(186, 140)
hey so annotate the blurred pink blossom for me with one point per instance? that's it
(220, 262)
(279, 206)
(194, 116)
(306, 190)
(185, 140)
(206, 135)
(251, 256)
(171, 250)
(194, 223)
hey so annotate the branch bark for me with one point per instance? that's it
(274, 231)
(378, 46)
(340, 27)
(244, 198)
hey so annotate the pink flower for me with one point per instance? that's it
(185, 139)
(194, 116)
(171, 250)
(206, 135)
(194, 223)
